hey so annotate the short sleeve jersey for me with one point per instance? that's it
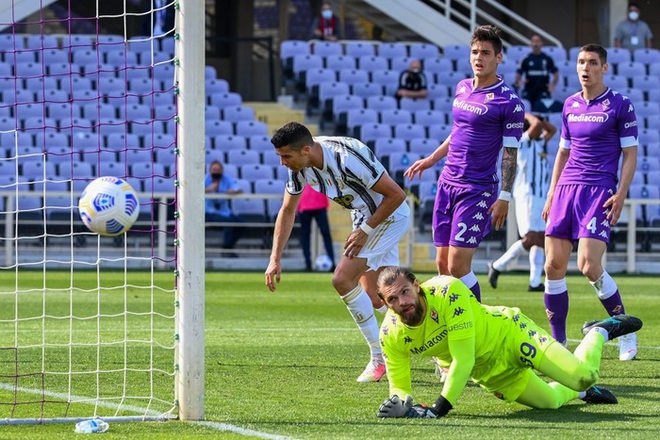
(633, 35)
(532, 174)
(350, 170)
(485, 120)
(452, 313)
(537, 69)
(413, 81)
(595, 131)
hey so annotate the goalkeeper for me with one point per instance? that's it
(497, 347)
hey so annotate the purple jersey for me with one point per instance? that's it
(595, 132)
(485, 120)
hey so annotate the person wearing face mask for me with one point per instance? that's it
(218, 210)
(327, 25)
(412, 82)
(633, 33)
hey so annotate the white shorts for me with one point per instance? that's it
(382, 246)
(529, 210)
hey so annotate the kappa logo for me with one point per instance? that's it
(472, 240)
(475, 228)
(478, 216)
(575, 104)
(504, 89)
(486, 194)
(603, 234)
(605, 223)
(462, 90)
(482, 204)
(631, 108)
(518, 108)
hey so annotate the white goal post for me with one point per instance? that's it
(95, 326)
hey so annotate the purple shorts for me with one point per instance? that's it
(460, 215)
(577, 212)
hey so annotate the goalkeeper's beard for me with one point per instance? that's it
(413, 317)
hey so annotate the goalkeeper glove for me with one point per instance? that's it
(421, 411)
(395, 407)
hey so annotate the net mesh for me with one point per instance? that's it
(87, 321)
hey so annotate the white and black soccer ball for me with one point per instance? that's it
(323, 263)
(109, 206)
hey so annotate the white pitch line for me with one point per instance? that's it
(243, 431)
(85, 400)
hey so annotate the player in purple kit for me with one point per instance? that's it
(487, 115)
(598, 126)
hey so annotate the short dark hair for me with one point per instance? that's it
(633, 5)
(392, 273)
(597, 48)
(294, 135)
(490, 33)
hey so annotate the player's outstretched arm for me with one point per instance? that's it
(419, 166)
(283, 226)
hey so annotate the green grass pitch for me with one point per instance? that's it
(284, 364)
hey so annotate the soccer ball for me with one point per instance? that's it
(323, 263)
(109, 206)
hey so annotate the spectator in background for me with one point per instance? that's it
(412, 82)
(218, 210)
(529, 192)
(327, 26)
(314, 205)
(633, 33)
(537, 68)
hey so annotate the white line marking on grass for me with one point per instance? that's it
(79, 399)
(243, 431)
(90, 401)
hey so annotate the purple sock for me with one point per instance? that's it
(613, 305)
(556, 307)
(476, 291)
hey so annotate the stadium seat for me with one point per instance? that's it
(444, 104)
(369, 132)
(388, 79)
(648, 164)
(358, 117)
(616, 55)
(408, 132)
(353, 76)
(359, 48)
(514, 53)
(371, 63)
(433, 66)
(396, 116)
(414, 104)
(456, 51)
(380, 103)
(250, 128)
(225, 99)
(557, 53)
(238, 113)
(423, 146)
(630, 69)
(270, 186)
(241, 157)
(327, 48)
(340, 106)
(255, 170)
(399, 64)
(260, 143)
(439, 132)
(421, 51)
(646, 56)
(428, 118)
(338, 62)
(646, 83)
(388, 146)
(327, 92)
(392, 50)
(366, 89)
(229, 142)
(401, 161)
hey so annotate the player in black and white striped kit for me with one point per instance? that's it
(348, 173)
(529, 191)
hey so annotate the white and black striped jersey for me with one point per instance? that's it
(350, 170)
(533, 174)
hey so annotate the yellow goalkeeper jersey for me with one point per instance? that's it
(496, 336)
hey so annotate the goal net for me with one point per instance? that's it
(91, 325)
